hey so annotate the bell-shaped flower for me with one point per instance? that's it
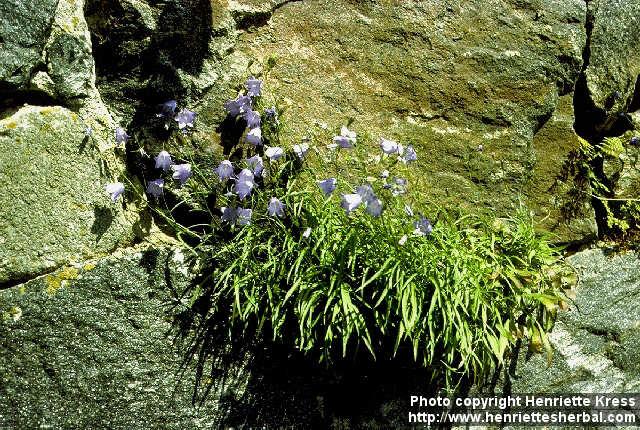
(244, 184)
(255, 164)
(328, 185)
(350, 202)
(163, 161)
(252, 117)
(238, 106)
(185, 118)
(121, 136)
(181, 172)
(155, 187)
(229, 215)
(390, 147)
(275, 208)
(274, 152)
(409, 155)
(272, 114)
(254, 136)
(115, 189)
(224, 170)
(422, 226)
(301, 150)
(254, 87)
(366, 192)
(244, 216)
(374, 206)
(168, 109)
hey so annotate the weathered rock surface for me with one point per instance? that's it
(614, 60)
(90, 346)
(53, 205)
(596, 341)
(24, 29)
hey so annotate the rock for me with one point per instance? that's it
(90, 346)
(446, 78)
(614, 60)
(53, 205)
(24, 29)
(596, 341)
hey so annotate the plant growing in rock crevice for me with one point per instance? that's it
(332, 267)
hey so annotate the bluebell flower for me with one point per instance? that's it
(366, 192)
(390, 147)
(244, 184)
(350, 202)
(155, 187)
(254, 87)
(342, 142)
(115, 189)
(374, 206)
(244, 216)
(254, 136)
(398, 186)
(274, 152)
(422, 226)
(240, 105)
(301, 150)
(168, 109)
(185, 118)
(224, 170)
(409, 155)
(163, 161)
(181, 172)
(275, 208)
(272, 114)
(255, 164)
(88, 131)
(121, 136)
(252, 117)
(635, 140)
(328, 185)
(229, 215)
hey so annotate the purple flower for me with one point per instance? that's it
(244, 184)
(301, 150)
(366, 192)
(115, 189)
(635, 140)
(374, 207)
(390, 147)
(155, 187)
(238, 106)
(163, 161)
(275, 208)
(271, 114)
(254, 87)
(121, 136)
(185, 118)
(423, 226)
(409, 155)
(229, 215)
(346, 139)
(244, 216)
(350, 202)
(274, 152)
(254, 136)
(398, 186)
(255, 164)
(224, 170)
(168, 109)
(328, 185)
(181, 172)
(252, 117)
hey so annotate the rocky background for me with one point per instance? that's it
(497, 96)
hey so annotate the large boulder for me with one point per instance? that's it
(596, 342)
(53, 205)
(90, 346)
